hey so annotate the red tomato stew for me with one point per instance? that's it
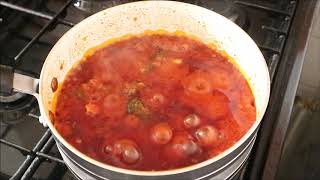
(154, 102)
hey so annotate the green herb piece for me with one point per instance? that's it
(135, 106)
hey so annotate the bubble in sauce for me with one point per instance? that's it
(192, 121)
(161, 133)
(181, 147)
(207, 135)
(127, 150)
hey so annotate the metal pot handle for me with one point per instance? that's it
(25, 84)
(12, 81)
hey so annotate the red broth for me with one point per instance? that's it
(154, 102)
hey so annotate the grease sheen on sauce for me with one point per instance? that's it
(154, 102)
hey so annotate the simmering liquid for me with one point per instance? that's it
(154, 102)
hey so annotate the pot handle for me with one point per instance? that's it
(25, 84)
(12, 81)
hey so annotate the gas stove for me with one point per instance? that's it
(29, 29)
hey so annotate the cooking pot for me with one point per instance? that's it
(135, 18)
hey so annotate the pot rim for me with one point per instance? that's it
(171, 171)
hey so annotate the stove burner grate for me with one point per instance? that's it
(15, 106)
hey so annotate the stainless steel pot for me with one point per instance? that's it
(135, 18)
(223, 169)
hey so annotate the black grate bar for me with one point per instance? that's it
(38, 160)
(34, 13)
(49, 158)
(26, 38)
(23, 150)
(266, 8)
(266, 48)
(279, 31)
(273, 62)
(24, 166)
(42, 31)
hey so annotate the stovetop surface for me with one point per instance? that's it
(24, 141)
